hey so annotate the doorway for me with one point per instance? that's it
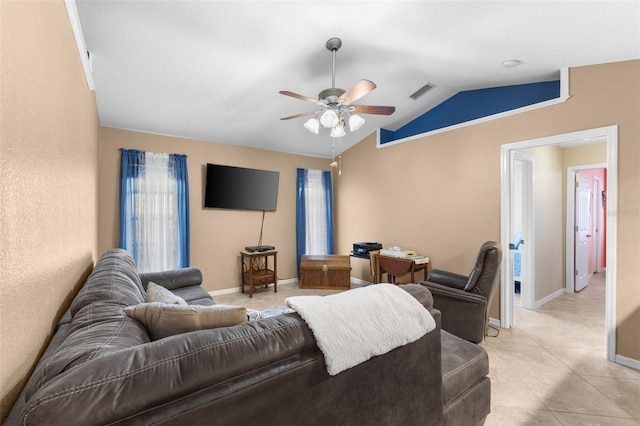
(608, 134)
(586, 227)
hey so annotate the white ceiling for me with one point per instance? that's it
(212, 70)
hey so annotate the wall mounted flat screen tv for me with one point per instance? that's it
(238, 188)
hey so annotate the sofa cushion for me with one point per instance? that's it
(194, 295)
(463, 364)
(157, 293)
(471, 407)
(164, 320)
(173, 279)
(114, 278)
(97, 329)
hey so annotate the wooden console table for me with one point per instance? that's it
(255, 270)
(395, 267)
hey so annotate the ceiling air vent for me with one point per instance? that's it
(421, 91)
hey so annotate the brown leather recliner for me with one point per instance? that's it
(464, 300)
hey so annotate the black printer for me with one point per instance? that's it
(363, 248)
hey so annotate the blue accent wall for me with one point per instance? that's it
(474, 104)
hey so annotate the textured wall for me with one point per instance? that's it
(440, 195)
(48, 170)
(548, 220)
(217, 235)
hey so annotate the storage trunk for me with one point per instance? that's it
(325, 272)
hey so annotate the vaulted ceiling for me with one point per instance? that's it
(212, 70)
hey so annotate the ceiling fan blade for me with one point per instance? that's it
(372, 109)
(297, 96)
(358, 90)
(299, 115)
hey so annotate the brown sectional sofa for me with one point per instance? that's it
(102, 368)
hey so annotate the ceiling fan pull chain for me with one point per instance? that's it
(334, 163)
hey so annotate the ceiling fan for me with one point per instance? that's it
(336, 104)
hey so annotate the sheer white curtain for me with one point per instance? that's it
(315, 214)
(156, 214)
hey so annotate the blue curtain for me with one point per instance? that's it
(328, 199)
(131, 162)
(182, 180)
(301, 213)
(301, 225)
(129, 169)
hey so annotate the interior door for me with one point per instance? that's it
(521, 222)
(582, 220)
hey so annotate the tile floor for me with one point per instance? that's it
(550, 369)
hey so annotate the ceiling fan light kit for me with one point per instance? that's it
(329, 118)
(337, 131)
(355, 122)
(312, 125)
(336, 103)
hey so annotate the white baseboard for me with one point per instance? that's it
(549, 298)
(629, 362)
(355, 280)
(237, 289)
(494, 322)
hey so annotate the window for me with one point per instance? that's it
(314, 213)
(154, 209)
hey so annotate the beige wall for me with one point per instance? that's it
(585, 155)
(440, 194)
(217, 235)
(48, 170)
(548, 220)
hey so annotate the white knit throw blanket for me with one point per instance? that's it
(355, 325)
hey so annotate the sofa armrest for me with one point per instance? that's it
(448, 279)
(438, 291)
(424, 296)
(421, 294)
(463, 313)
(173, 279)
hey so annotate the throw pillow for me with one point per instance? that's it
(163, 320)
(157, 293)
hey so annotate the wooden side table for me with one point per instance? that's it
(256, 271)
(395, 267)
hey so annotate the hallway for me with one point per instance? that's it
(551, 368)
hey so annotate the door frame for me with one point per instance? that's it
(570, 236)
(599, 222)
(608, 134)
